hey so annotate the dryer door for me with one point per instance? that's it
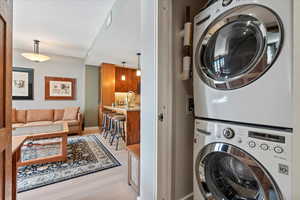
(225, 172)
(239, 47)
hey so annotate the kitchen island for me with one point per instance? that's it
(132, 123)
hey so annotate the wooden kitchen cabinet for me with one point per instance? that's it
(111, 82)
(130, 83)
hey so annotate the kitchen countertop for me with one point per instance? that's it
(123, 108)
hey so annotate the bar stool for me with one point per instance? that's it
(119, 129)
(108, 124)
(105, 124)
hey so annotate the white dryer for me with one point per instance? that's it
(241, 163)
(243, 62)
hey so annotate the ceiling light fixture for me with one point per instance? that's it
(123, 77)
(138, 71)
(36, 56)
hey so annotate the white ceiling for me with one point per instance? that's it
(65, 27)
(120, 41)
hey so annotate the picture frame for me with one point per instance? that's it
(22, 83)
(58, 88)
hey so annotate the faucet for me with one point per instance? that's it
(130, 98)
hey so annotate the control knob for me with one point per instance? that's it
(252, 144)
(228, 133)
(278, 150)
(226, 2)
(264, 147)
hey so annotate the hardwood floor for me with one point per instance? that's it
(109, 184)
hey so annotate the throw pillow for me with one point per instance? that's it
(58, 114)
(71, 113)
(21, 116)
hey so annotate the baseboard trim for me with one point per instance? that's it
(91, 127)
(187, 197)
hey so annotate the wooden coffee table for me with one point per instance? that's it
(41, 132)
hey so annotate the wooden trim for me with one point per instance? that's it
(6, 183)
(47, 88)
(17, 143)
(15, 158)
(48, 159)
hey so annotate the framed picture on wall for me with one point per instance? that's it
(57, 88)
(22, 83)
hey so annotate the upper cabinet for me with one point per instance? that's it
(107, 84)
(112, 81)
(126, 80)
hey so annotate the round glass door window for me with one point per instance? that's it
(238, 47)
(230, 174)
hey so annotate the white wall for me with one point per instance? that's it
(58, 66)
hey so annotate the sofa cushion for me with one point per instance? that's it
(70, 113)
(13, 116)
(20, 116)
(39, 123)
(58, 114)
(39, 115)
(17, 125)
(70, 122)
(74, 129)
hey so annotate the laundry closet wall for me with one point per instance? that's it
(183, 122)
(296, 92)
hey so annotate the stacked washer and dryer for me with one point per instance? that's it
(243, 100)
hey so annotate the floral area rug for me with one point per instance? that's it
(86, 155)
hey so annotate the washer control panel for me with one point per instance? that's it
(266, 142)
(254, 140)
(276, 148)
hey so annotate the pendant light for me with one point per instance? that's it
(36, 56)
(138, 71)
(123, 77)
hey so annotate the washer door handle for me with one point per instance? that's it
(203, 131)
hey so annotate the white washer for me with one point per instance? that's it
(241, 163)
(243, 62)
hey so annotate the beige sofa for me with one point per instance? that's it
(72, 116)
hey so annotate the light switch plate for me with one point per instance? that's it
(190, 105)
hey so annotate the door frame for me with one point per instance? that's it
(6, 176)
(165, 90)
(157, 169)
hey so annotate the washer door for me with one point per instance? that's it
(225, 172)
(239, 47)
